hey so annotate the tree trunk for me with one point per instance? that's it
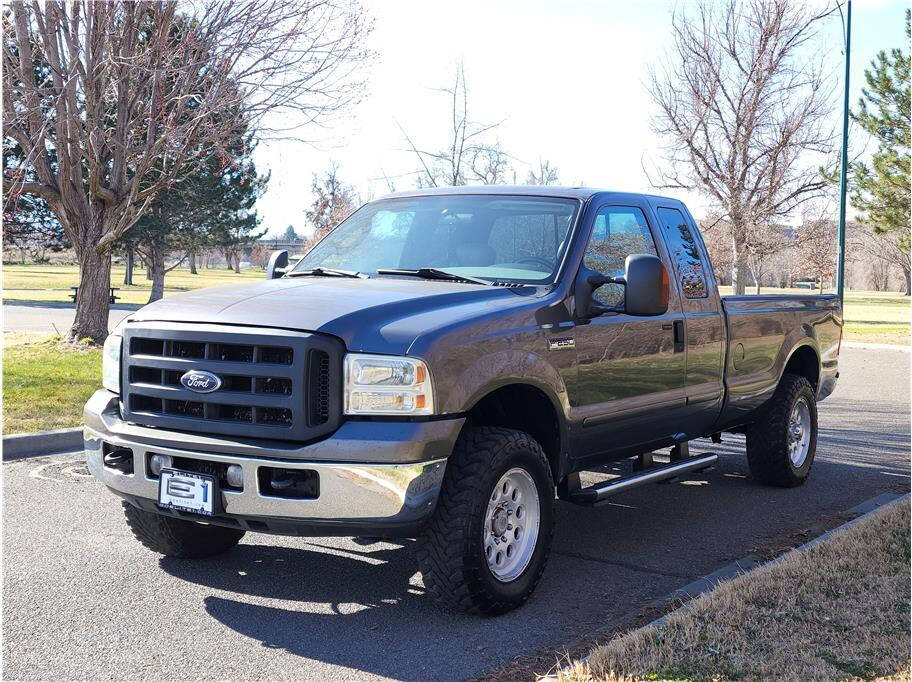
(128, 272)
(93, 297)
(739, 268)
(237, 263)
(157, 262)
(908, 281)
(192, 258)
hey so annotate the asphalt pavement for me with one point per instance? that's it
(82, 599)
(50, 317)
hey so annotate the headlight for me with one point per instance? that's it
(379, 384)
(110, 363)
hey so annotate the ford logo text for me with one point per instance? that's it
(200, 381)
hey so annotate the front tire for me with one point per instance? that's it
(487, 543)
(177, 537)
(782, 444)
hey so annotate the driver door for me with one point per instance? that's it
(630, 385)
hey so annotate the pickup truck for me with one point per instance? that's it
(442, 366)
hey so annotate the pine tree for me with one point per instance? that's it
(290, 234)
(881, 189)
(214, 207)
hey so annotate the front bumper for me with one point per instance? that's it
(373, 496)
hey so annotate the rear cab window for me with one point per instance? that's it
(685, 252)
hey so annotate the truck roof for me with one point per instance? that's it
(525, 190)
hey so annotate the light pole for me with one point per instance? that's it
(844, 161)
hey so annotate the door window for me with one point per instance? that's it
(618, 232)
(685, 252)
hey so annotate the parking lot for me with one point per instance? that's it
(82, 599)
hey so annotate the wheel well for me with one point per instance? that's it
(525, 408)
(804, 363)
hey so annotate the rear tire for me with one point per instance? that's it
(496, 480)
(782, 444)
(177, 537)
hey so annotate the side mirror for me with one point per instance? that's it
(646, 292)
(278, 261)
(645, 283)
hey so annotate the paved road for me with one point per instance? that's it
(28, 316)
(83, 600)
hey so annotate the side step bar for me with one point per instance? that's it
(598, 494)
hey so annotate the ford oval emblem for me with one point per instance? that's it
(200, 381)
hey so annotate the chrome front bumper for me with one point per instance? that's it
(352, 495)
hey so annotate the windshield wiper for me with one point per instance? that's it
(434, 273)
(325, 272)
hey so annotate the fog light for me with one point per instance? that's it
(159, 462)
(235, 476)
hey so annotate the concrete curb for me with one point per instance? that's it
(24, 445)
(876, 346)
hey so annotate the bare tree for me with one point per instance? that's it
(818, 250)
(763, 242)
(546, 174)
(112, 102)
(743, 106)
(467, 156)
(333, 202)
(878, 248)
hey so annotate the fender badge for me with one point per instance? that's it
(563, 343)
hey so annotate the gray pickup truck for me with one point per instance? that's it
(441, 366)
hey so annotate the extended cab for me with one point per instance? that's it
(441, 366)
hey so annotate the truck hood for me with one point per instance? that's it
(382, 315)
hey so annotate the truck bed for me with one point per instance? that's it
(765, 332)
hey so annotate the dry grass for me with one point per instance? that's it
(837, 611)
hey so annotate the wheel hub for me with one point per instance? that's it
(499, 521)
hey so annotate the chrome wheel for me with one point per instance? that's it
(510, 530)
(799, 432)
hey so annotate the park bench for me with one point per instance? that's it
(113, 298)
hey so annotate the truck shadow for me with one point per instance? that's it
(365, 608)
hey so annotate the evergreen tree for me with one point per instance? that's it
(214, 207)
(29, 224)
(290, 234)
(881, 189)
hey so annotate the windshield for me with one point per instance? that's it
(497, 238)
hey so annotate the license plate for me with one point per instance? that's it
(187, 490)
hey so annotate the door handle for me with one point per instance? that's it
(679, 340)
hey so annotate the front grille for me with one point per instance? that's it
(274, 383)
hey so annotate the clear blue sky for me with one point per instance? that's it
(566, 78)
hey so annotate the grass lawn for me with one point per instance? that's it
(837, 611)
(46, 385)
(53, 282)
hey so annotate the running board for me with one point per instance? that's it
(598, 494)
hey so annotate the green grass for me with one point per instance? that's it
(46, 384)
(53, 282)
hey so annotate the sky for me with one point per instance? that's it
(567, 80)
